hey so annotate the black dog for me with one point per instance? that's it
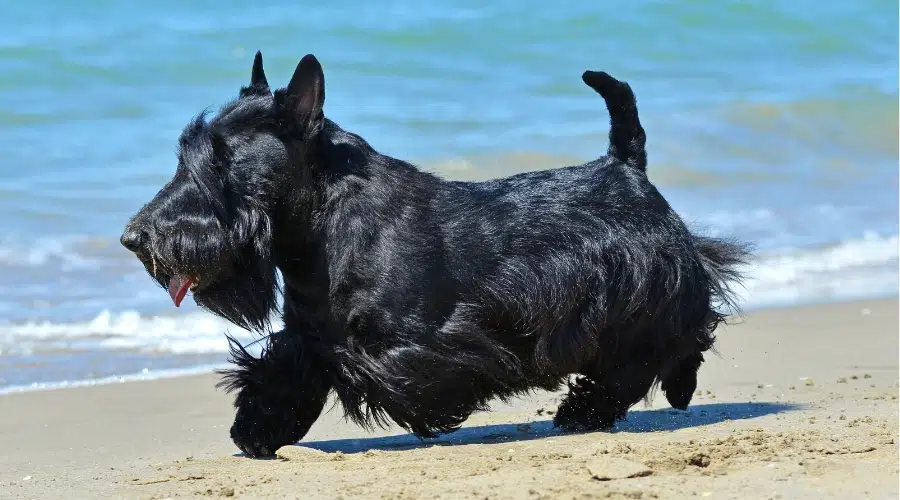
(416, 299)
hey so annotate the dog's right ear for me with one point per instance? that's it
(258, 83)
(305, 97)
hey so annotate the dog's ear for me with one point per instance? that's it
(258, 75)
(306, 96)
(258, 83)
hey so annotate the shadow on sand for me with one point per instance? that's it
(637, 422)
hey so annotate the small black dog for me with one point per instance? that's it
(419, 300)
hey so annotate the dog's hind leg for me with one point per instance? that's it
(680, 383)
(596, 400)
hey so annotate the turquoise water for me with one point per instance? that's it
(773, 121)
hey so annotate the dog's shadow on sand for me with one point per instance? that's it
(639, 421)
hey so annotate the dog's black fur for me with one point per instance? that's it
(416, 299)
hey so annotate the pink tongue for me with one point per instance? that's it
(178, 288)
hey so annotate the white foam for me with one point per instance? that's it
(866, 267)
(191, 333)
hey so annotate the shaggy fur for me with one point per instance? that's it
(418, 300)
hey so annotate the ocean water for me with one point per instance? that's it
(776, 122)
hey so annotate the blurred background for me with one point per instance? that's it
(772, 121)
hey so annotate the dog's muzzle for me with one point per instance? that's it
(133, 239)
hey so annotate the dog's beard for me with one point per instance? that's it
(248, 297)
(231, 275)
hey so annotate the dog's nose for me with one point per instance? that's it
(133, 239)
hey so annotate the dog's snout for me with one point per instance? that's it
(133, 239)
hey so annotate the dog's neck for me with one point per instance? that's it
(314, 188)
(340, 183)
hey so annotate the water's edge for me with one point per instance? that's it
(150, 375)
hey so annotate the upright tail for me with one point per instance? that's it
(627, 139)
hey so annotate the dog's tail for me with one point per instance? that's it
(723, 262)
(627, 139)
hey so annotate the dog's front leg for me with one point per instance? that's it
(279, 395)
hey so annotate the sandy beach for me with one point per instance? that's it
(800, 403)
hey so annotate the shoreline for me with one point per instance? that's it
(798, 402)
(205, 369)
(142, 376)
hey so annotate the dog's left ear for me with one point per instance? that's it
(258, 83)
(306, 96)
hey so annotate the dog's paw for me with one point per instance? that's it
(579, 412)
(680, 399)
(680, 385)
(260, 434)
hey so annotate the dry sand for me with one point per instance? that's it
(801, 403)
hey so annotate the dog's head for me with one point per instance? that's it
(210, 228)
